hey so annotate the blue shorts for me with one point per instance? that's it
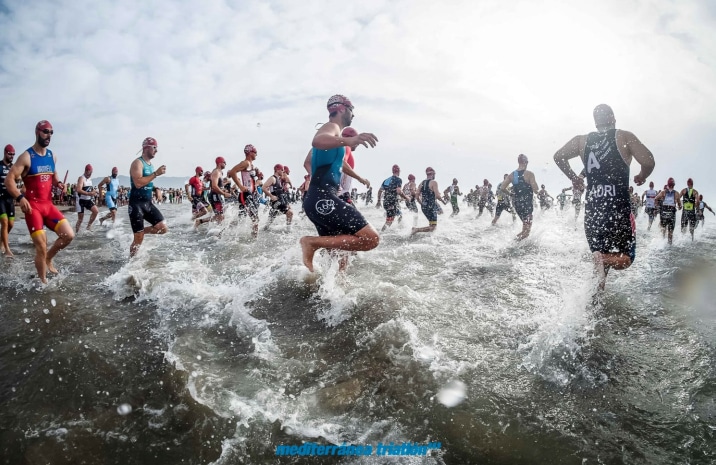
(110, 201)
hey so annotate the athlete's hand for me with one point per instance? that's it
(365, 182)
(639, 180)
(25, 206)
(60, 186)
(161, 170)
(377, 205)
(366, 139)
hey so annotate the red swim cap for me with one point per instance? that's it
(349, 132)
(249, 149)
(429, 168)
(690, 182)
(220, 160)
(199, 170)
(149, 142)
(671, 182)
(285, 168)
(88, 167)
(338, 99)
(44, 124)
(9, 149)
(278, 167)
(411, 177)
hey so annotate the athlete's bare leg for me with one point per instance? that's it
(365, 239)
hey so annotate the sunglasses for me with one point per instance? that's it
(48, 131)
(10, 153)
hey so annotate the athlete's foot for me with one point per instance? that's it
(413, 232)
(101, 220)
(51, 268)
(8, 254)
(308, 252)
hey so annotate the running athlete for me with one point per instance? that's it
(141, 209)
(217, 195)
(669, 200)
(389, 191)
(608, 220)
(339, 226)
(483, 194)
(428, 195)
(411, 192)
(195, 193)
(647, 199)
(524, 186)
(37, 168)
(542, 197)
(453, 191)
(275, 189)
(503, 199)
(110, 197)
(688, 215)
(86, 194)
(246, 182)
(7, 203)
(701, 206)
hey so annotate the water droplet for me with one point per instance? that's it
(32, 349)
(24, 310)
(124, 409)
(27, 320)
(46, 311)
(452, 394)
(53, 302)
(198, 357)
(51, 371)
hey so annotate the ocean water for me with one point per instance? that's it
(210, 347)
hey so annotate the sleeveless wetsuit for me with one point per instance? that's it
(217, 201)
(331, 215)
(83, 202)
(523, 196)
(688, 215)
(38, 191)
(428, 204)
(7, 203)
(140, 202)
(278, 190)
(668, 210)
(608, 219)
(649, 197)
(390, 196)
(110, 197)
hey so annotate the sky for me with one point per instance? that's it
(462, 86)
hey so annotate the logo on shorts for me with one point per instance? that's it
(325, 206)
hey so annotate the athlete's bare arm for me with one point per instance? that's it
(349, 171)
(677, 198)
(215, 177)
(572, 149)
(19, 169)
(529, 177)
(642, 155)
(329, 137)
(434, 187)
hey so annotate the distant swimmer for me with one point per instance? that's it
(428, 195)
(340, 226)
(110, 197)
(246, 177)
(453, 191)
(278, 197)
(701, 206)
(635, 201)
(141, 209)
(86, 194)
(195, 193)
(7, 202)
(647, 199)
(411, 192)
(545, 200)
(218, 194)
(524, 186)
(689, 196)
(37, 168)
(608, 220)
(669, 200)
(483, 195)
(390, 190)
(503, 199)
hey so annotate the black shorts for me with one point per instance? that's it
(667, 217)
(392, 209)
(688, 217)
(331, 215)
(279, 206)
(523, 208)
(83, 204)
(197, 203)
(249, 205)
(650, 211)
(431, 212)
(610, 230)
(141, 211)
(7, 206)
(500, 207)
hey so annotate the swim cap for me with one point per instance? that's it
(651, 184)
(485, 182)
(278, 167)
(690, 182)
(44, 124)
(9, 149)
(88, 167)
(429, 169)
(220, 160)
(338, 99)
(259, 174)
(249, 149)
(149, 142)
(285, 168)
(396, 168)
(522, 158)
(411, 177)
(671, 182)
(199, 170)
(349, 132)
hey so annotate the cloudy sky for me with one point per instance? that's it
(464, 86)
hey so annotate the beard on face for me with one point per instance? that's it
(43, 142)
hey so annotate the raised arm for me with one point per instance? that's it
(571, 149)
